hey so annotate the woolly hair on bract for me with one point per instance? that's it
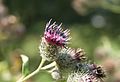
(77, 77)
(48, 51)
(69, 59)
(89, 73)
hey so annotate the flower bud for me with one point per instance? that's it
(54, 39)
(56, 75)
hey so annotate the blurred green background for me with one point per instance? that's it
(94, 25)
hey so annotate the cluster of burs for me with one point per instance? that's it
(67, 63)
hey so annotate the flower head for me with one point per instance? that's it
(82, 77)
(55, 35)
(53, 41)
(70, 57)
(68, 60)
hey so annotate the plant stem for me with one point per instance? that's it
(20, 79)
(33, 73)
(50, 71)
(49, 65)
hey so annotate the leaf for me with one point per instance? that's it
(25, 65)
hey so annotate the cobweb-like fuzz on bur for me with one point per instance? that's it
(76, 77)
(69, 59)
(74, 61)
(55, 35)
(55, 38)
(48, 51)
(90, 73)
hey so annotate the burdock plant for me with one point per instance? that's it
(67, 63)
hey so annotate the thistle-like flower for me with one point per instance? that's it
(53, 41)
(55, 35)
(69, 59)
(79, 77)
(89, 73)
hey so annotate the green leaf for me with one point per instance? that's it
(25, 65)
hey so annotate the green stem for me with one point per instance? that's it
(50, 71)
(20, 79)
(49, 65)
(33, 73)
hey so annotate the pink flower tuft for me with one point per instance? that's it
(55, 35)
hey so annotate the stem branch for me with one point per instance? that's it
(33, 73)
(49, 65)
